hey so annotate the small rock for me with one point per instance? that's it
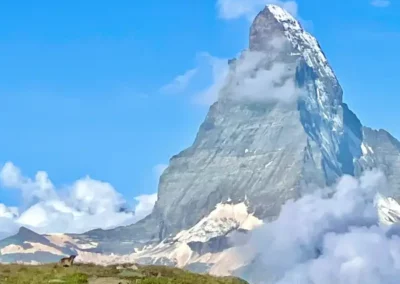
(108, 280)
(133, 267)
(130, 273)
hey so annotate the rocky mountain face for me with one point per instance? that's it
(278, 130)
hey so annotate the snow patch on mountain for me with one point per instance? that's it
(388, 210)
(366, 150)
(302, 40)
(225, 218)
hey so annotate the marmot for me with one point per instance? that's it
(67, 261)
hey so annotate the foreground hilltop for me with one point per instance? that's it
(81, 274)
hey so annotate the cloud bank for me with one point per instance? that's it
(84, 205)
(329, 237)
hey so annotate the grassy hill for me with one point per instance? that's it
(92, 274)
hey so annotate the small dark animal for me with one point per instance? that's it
(67, 261)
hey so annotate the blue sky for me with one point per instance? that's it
(81, 83)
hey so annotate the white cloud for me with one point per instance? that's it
(95, 197)
(84, 205)
(219, 71)
(10, 175)
(40, 188)
(381, 3)
(329, 237)
(255, 79)
(180, 83)
(8, 212)
(209, 68)
(145, 205)
(7, 223)
(233, 9)
(252, 79)
(270, 84)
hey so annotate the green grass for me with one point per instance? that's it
(88, 273)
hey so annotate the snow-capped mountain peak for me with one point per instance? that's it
(301, 40)
(282, 15)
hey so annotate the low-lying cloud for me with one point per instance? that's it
(258, 77)
(253, 77)
(329, 237)
(84, 205)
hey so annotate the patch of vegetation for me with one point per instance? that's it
(93, 274)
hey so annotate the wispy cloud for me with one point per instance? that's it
(267, 85)
(381, 3)
(240, 81)
(179, 83)
(145, 204)
(218, 67)
(210, 69)
(159, 169)
(252, 77)
(275, 83)
(233, 9)
(81, 206)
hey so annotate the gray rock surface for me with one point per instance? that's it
(256, 144)
(266, 151)
(385, 155)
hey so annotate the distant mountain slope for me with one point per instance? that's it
(28, 246)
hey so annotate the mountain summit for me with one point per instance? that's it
(278, 131)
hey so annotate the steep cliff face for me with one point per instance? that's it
(278, 130)
(381, 150)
